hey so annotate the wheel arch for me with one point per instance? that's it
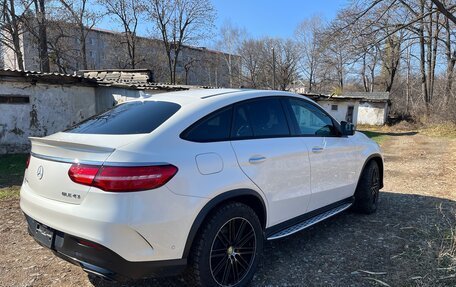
(246, 196)
(379, 160)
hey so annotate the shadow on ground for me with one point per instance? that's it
(398, 245)
(377, 134)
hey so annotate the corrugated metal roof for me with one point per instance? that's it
(14, 72)
(129, 79)
(57, 78)
(369, 96)
(121, 75)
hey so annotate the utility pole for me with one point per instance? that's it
(273, 70)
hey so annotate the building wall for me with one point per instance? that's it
(107, 50)
(372, 113)
(342, 108)
(52, 108)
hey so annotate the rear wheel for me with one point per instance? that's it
(368, 189)
(228, 249)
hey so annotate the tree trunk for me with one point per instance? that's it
(176, 57)
(83, 47)
(230, 72)
(363, 74)
(424, 89)
(407, 88)
(43, 48)
(429, 50)
(310, 79)
(15, 31)
(434, 53)
(451, 60)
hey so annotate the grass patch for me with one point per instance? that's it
(9, 192)
(12, 169)
(376, 136)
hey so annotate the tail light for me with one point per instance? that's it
(122, 179)
(27, 162)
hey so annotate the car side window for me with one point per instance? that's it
(311, 121)
(259, 119)
(212, 128)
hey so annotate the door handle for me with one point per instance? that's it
(317, 149)
(256, 159)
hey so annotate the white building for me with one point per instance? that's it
(39, 104)
(373, 107)
(342, 108)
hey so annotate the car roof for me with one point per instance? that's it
(211, 96)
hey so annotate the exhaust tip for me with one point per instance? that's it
(98, 271)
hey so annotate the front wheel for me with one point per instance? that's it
(368, 189)
(228, 249)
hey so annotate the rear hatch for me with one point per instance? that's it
(52, 157)
(90, 142)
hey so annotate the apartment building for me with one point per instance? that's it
(108, 50)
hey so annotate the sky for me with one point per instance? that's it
(260, 18)
(274, 18)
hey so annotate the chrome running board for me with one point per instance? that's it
(309, 222)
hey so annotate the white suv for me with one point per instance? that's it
(196, 178)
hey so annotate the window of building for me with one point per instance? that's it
(334, 107)
(14, 99)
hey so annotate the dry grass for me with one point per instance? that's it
(447, 130)
(447, 252)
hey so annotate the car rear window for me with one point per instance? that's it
(138, 117)
(212, 128)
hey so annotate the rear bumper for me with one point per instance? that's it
(139, 226)
(101, 261)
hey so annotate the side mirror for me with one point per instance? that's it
(347, 129)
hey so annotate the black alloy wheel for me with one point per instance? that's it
(232, 252)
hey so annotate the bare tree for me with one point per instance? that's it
(446, 10)
(286, 57)
(307, 34)
(128, 13)
(180, 22)
(450, 56)
(11, 30)
(40, 10)
(230, 41)
(187, 66)
(251, 61)
(79, 13)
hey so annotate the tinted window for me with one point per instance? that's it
(128, 118)
(215, 127)
(311, 120)
(259, 118)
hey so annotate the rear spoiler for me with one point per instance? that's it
(74, 146)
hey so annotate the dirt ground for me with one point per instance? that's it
(406, 243)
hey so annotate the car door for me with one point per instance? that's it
(277, 163)
(332, 157)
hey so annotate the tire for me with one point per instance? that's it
(227, 251)
(368, 189)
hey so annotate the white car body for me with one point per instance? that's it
(291, 176)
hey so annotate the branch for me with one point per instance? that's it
(444, 10)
